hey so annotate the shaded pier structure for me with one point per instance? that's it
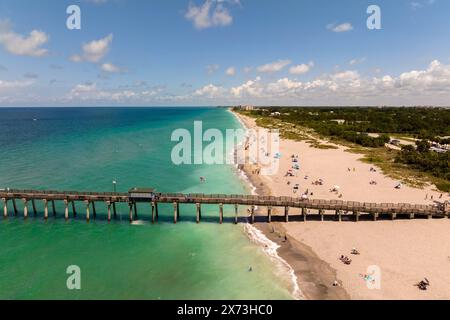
(306, 209)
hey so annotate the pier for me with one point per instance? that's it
(307, 209)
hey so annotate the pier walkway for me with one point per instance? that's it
(319, 209)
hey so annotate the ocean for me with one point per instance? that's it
(89, 148)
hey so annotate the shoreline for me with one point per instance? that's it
(313, 277)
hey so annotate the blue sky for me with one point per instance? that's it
(224, 52)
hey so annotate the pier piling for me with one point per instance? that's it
(74, 209)
(269, 214)
(14, 207)
(131, 211)
(220, 213)
(114, 210)
(33, 204)
(236, 214)
(199, 209)
(88, 211)
(175, 212)
(375, 216)
(94, 211)
(322, 213)
(66, 209)
(153, 211)
(135, 211)
(252, 212)
(356, 215)
(53, 208)
(45, 208)
(286, 214)
(304, 214)
(108, 205)
(5, 207)
(25, 208)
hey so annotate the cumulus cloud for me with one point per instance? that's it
(17, 44)
(231, 71)
(274, 66)
(343, 27)
(210, 91)
(111, 68)
(94, 51)
(428, 86)
(249, 88)
(301, 68)
(212, 13)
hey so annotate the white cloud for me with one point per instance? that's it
(210, 91)
(427, 86)
(357, 61)
(111, 68)
(17, 44)
(250, 88)
(15, 84)
(94, 51)
(231, 71)
(421, 3)
(344, 27)
(274, 66)
(301, 68)
(211, 14)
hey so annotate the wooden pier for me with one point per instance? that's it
(307, 209)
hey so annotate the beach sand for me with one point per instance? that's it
(406, 251)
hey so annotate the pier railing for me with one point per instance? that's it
(321, 208)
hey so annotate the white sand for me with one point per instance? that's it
(406, 251)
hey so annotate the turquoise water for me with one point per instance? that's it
(86, 149)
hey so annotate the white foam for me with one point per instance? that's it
(271, 249)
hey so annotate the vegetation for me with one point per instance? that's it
(366, 130)
(422, 159)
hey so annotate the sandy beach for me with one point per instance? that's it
(405, 251)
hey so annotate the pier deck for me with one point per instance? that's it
(321, 208)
